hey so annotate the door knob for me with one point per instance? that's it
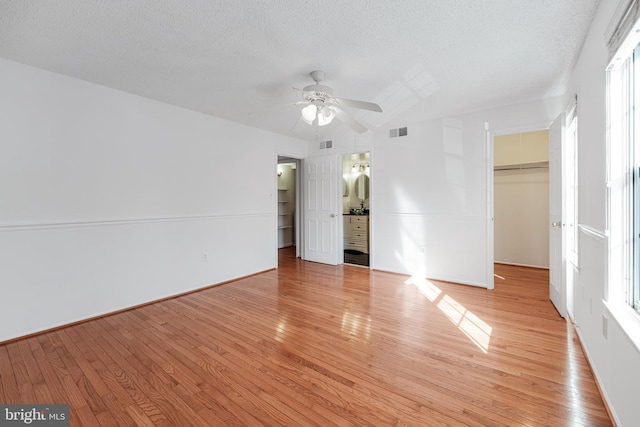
(556, 224)
(333, 215)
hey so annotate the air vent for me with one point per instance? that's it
(326, 144)
(393, 133)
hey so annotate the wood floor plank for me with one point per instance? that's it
(146, 386)
(314, 345)
(9, 386)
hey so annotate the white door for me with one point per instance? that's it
(320, 209)
(557, 261)
(569, 212)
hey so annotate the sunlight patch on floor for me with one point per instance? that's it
(470, 324)
(426, 288)
(478, 331)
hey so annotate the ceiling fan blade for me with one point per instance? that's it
(347, 120)
(359, 104)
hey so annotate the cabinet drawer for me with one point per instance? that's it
(359, 235)
(358, 246)
(359, 219)
(353, 239)
(358, 227)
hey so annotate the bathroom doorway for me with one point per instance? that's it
(356, 172)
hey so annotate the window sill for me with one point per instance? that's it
(627, 318)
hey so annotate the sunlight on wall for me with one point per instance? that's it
(411, 255)
(478, 331)
(410, 251)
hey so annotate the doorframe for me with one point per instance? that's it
(562, 306)
(490, 225)
(298, 218)
(371, 202)
(569, 199)
(300, 194)
(490, 164)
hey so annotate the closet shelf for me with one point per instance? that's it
(520, 166)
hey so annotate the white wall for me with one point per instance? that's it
(109, 200)
(429, 208)
(614, 358)
(428, 202)
(521, 217)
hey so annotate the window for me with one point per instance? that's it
(623, 162)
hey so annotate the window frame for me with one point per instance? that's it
(623, 172)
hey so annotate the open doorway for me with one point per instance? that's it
(356, 172)
(288, 212)
(521, 198)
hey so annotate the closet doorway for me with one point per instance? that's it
(288, 213)
(521, 198)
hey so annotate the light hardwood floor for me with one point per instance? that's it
(311, 344)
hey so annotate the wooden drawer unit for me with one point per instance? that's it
(356, 233)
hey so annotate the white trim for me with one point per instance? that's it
(619, 42)
(598, 377)
(125, 221)
(476, 218)
(534, 127)
(489, 208)
(615, 20)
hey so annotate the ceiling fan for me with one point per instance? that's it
(323, 107)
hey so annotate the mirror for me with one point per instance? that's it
(362, 187)
(345, 188)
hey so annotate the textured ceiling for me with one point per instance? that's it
(418, 59)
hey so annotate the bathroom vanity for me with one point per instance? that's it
(356, 239)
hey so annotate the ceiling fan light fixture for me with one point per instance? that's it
(308, 113)
(323, 107)
(326, 115)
